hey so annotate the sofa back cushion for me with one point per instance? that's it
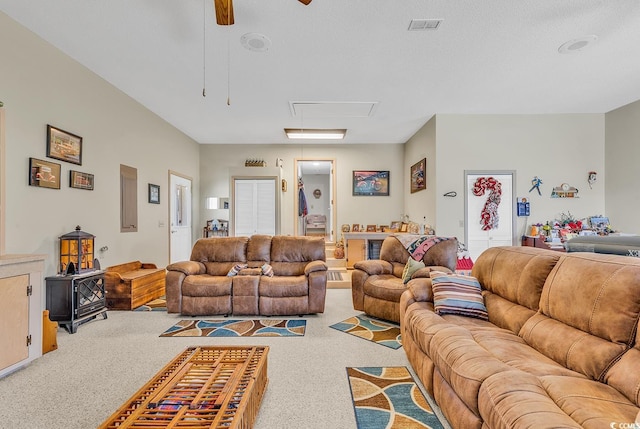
(219, 254)
(259, 250)
(290, 255)
(589, 311)
(512, 279)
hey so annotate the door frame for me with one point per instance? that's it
(170, 207)
(332, 198)
(467, 193)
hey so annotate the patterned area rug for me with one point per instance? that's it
(237, 328)
(378, 331)
(159, 304)
(389, 398)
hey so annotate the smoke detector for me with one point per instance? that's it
(255, 42)
(578, 44)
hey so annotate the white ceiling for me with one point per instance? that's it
(488, 56)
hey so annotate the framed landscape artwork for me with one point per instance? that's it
(418, 173)
(370, 183)
(44, 174)
(63, 145)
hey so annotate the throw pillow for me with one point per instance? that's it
(236, 269)
(411, 267)
(458, 294)
(267, 270)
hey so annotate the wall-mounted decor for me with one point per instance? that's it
(591, 179)
(80, 180)
(564, 191)
(535, 184)
(154, 194)
(64, 145)
(317, 193)
(489, 218)
(370, 183)
(44, 174)
(418, 173)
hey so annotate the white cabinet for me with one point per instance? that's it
(254, 207)
(21, 306)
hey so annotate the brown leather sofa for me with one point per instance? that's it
(560, 348)
(203, 286)
(377, 284)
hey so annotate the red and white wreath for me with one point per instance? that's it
(489, 218)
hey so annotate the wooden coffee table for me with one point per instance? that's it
(203, 387)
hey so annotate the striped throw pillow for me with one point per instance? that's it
(267, 270)
(457, 294)
(236, 269)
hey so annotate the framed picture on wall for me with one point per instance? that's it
(44, 174)
(64, 145)
(154, 194)
(81, 180)
(370, 183)
(418, 173)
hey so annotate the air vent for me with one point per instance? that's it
(424, 24)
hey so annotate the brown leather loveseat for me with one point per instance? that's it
(377, 284)
(559, 349)
(257, 275)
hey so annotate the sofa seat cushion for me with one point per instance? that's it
(552, 402)
(385, 287)
(280, 287)
(206, 285)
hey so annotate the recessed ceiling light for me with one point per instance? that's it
(578, 44)
(255, 42)
(316, 134)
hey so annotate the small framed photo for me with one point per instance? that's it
(418, 180)
(395, 226)
(44, 174)
(404, 227)
(80, 180)
(64, 145)
(154, 194)
(371, 228)
(355, 227)
(383, 228)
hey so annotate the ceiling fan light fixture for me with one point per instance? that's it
(315, 134)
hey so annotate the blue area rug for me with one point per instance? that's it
(237, 328)
(389, 398)
(379, 331)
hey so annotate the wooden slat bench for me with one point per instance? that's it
(133, 284)
(205, 387)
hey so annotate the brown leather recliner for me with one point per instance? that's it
(203, 286)
(377, 284)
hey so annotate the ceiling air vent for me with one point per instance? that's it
(424, 24)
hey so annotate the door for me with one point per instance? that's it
(318, 179)
(489, 205)
(180, 232)
(254, 207)
(14, 320)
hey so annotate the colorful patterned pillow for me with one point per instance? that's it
(267, 270)
(458, 294)
(411, 267)
(236, 269)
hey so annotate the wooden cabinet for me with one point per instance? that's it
(530, 241)
(20, 310)
(363, 245)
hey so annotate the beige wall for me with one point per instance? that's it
(40, 85)
(216, 160)
(622, 156)
(556, 148)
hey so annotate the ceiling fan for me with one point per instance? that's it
(224, 11)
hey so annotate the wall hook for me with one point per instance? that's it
(450, 194)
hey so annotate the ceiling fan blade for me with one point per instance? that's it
(224, 12)
(305, 2)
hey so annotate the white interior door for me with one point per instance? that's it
(180, 218)
(497, 227)
(254, 207)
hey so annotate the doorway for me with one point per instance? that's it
(487, 226)
(317, 178)
(180, 231)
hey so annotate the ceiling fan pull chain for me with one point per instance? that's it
(204, 48)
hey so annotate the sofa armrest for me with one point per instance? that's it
(189, 268)
(314, 266)
(421, 289)
(374, 266)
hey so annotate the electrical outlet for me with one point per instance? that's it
(160, 224)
